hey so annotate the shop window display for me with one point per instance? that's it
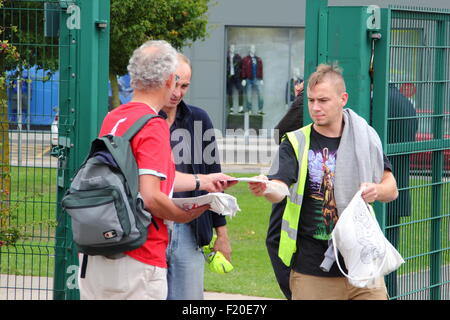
(262, 67)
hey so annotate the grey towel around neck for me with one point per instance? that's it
(359, 160)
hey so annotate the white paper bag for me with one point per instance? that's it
(367, 253)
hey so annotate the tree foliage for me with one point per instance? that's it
(136, 21)
(133, 22)
(8, 56)
(22, 26)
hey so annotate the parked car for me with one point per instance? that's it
(54, 131)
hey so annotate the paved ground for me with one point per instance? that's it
(13, 287)
(229, 296)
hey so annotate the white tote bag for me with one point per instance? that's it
(367, 253)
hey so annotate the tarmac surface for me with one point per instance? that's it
(15, 287)
(230, 296)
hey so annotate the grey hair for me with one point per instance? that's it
(149, 69)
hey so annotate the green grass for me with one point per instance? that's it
(28, 258)
(416, 231)
(33, 196)
(33, 207)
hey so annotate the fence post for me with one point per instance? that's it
(84, 63)
(313, 43)
(437, 165)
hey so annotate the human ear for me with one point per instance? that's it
(170, 82)
(344, 98)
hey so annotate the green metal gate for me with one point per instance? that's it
(418, 144)
(64, 50)
(396, 65)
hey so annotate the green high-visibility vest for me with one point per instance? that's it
(300, 141)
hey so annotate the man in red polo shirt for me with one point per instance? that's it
(141, 273)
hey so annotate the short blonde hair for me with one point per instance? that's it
(330, 72)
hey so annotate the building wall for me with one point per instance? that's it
(209, 66)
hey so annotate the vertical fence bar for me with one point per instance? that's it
(437, 165)
(68, 39)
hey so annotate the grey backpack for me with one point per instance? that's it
(108, 215)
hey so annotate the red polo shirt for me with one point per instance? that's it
(151, 148)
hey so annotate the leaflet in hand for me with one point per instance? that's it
(271, 186)
(220, 203)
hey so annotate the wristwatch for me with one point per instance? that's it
(197, 182)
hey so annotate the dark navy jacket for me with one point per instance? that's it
(195, 152)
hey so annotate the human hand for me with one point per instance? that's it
(258, 188)
(193, 213)
(369, 192)
(216, 182)
(222, 244)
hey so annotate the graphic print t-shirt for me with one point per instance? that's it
(319, 214)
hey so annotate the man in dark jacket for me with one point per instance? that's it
(195, 151)
(293, 119)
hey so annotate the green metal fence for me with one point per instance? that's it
(418, 145)
(396, 65)
(28, 171)
(61, 71)
(63, 48)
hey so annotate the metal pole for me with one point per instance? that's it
(437, 167)
(28, 101)
(83, 101)
(19, 120)
(313, 8)
(246, 127)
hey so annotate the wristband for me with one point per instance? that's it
(197, 182)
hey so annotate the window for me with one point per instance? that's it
(262, 65)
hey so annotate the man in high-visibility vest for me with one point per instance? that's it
(323, 164)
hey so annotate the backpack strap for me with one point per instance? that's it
(138, 125)
(84, 266)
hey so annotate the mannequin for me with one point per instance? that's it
(234, 67)
(290, 85)
(252, 75)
